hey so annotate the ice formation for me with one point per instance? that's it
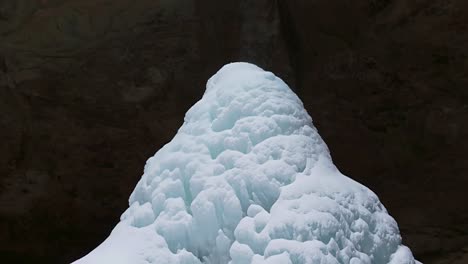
(247, 179)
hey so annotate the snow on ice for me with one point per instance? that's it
(247, 179)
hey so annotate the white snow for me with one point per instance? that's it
(247, 179)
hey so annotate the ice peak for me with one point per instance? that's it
(247, 179)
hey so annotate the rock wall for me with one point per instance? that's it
(90, 89)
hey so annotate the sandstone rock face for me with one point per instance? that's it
(90, 89)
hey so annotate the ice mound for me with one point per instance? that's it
(247, 179)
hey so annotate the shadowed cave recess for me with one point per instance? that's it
(90, 89)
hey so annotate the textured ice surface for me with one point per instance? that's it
(247, 179)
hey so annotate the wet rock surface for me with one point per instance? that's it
(90, 89)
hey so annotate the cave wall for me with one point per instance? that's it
(90, 89)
